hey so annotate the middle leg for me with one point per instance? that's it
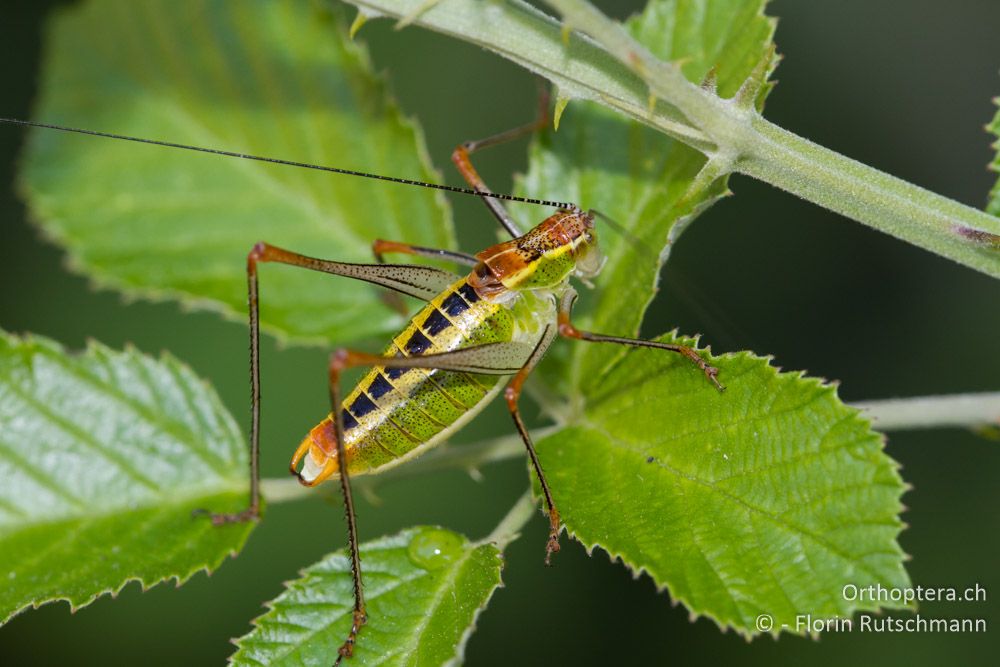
(513, 395)
(380, 247)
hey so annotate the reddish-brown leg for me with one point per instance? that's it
(343, 359)
(567, 330)
(380, 247)
(460, 158)
(340, 360)
(513, 395)
(263, 252)
(252, 512)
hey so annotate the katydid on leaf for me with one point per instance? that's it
(447, 363)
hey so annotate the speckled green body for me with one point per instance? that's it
(394, 414)
(510, 296)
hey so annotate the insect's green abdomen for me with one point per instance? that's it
(394, 411)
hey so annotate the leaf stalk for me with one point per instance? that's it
(613, 69)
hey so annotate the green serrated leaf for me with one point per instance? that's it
(424, 588)
(103, 457)
(276, 79)
(994, 128)
(648, 183)
(766, 499)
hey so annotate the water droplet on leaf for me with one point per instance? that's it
(434, 548)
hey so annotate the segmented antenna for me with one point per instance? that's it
(292, 163)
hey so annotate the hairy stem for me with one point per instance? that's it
(620, 73)
(961, 410)
(771, 154)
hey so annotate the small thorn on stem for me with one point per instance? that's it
(710, 80)
(561, 102)
(356, 25)
(565, 33)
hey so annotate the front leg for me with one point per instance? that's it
(461, 158)
(567, 330)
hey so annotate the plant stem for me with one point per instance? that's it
(621, 74)
(868, 195)
(894, 414)
(774, 155)
(510, 526)
(959, 410)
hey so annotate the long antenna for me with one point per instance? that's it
(290, 163)
(629, 237)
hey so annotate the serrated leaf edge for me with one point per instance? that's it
(178, 579)
(93, 346)
(380, 542)
(816, 383)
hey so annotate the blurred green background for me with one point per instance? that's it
(905, 87)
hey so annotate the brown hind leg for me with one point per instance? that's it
(512, 394)
(338, 362)
(417, 281)
(380, 247)
(491, 358)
